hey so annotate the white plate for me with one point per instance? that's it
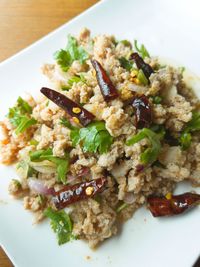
(168, 28)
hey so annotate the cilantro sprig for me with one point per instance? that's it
(19, 116)
(73, 51)
(74, 79)
(61, 224)
(92, 138)
(62, 164)
(192, 126)
(150, 154)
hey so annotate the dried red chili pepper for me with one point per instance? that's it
(172, 205)
(143, 112)
(146, 68)
(108, 90)
(74, 193)
(78, 113)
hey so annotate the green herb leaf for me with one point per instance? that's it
(73, 51)
(142, 50)
(65, 87)
(19, 116)
(122, 207)
(76, 79)
(77, 52)
(93, 138)
(150, 154)
(185, 140)
(23, 106)
(40, 155)
(63, 58)
(192, 126)
(126, 43)
(157, 99)
(72, 80)
(62, 164)
(142, 78)
(182, 69)
(159, 130)
(61, 224)
(33, 142)
(17, 183)
(25, 123)
(125, 63)
(66, 123)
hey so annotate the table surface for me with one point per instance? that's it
(27, 21)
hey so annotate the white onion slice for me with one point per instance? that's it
(129, 198)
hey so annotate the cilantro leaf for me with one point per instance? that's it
(74, 79)
(125, 63)
(150, 154)
(63, 59)
(61, 224)
(77, 52)
(92, 138)
(73, 51)
(142, 50)
(62, 164)
(19, 116)
(192, 126)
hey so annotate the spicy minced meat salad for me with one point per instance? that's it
(114, 130)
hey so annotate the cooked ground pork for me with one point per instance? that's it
(97, 219)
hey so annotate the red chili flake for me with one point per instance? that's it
(143, 112)
(108, 90)
(172, 205)
(146, 68)
(78, 113)
(74, 193)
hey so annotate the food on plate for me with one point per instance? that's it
(112, 130)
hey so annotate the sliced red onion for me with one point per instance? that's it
(129, 198)
(39, 187)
